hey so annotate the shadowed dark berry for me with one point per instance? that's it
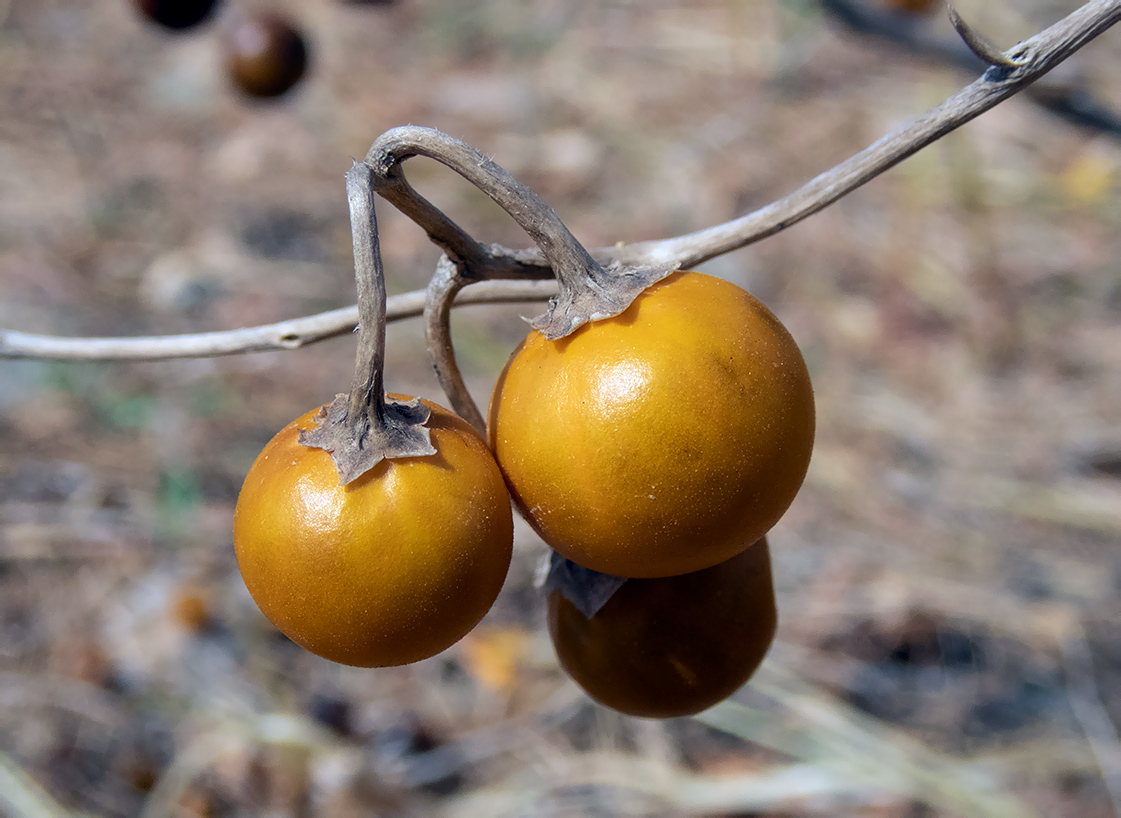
(265, 54)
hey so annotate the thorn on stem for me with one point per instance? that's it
(979, 44)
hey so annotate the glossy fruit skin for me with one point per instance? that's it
(390, 569)
(265, 54)
(674, 646)
(660, 441)
(177, 14)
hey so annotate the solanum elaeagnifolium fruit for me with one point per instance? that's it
(672, 646)
(390, 568)
(663, 440)
(266, 54)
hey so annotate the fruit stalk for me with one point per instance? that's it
(367, 389)
(363, 428)
(588, 291)
(439, 297)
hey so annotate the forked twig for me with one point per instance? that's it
(984, 48)
(1069, 101)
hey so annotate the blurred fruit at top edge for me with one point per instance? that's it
(914, 6)
(265, 54)
(191, 610)
(177, 14)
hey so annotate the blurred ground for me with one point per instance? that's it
(948, 580)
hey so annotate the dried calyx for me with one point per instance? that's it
(588, 290)
(365, 427)
(586, 589)
(593, 292)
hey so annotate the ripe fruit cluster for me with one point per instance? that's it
(652, 448)
(265, 53)
(660, 445)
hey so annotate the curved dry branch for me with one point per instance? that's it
(292, 334)
(1033, 58)
(1036, 56)
(475, 260)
